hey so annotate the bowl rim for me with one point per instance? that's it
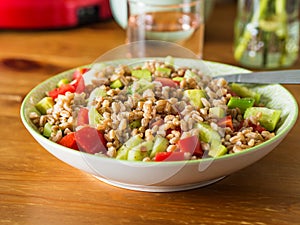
(273, 140)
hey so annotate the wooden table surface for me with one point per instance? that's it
(37, 188)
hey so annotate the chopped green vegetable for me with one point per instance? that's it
(269, 117)
(209, 135)
(195, 96)
(178, 79)
(217, 112)
(140, 86)
(144, 73)
(47, 130)
(140, 151)
(160, 145)
(191, 74)
(97, 92)
(44, 104)
(245, 92)
(166, 72)
(94, 117)
(116, 84)
(217, 150)
(241, 103)
(122, 152)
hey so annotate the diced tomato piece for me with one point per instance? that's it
(90, 140)
(226, 122)
(232, 93)
(61, 90)
(83, 117)
(166, 81)
(69, 141)
(79, 85)
(192, 145)
(79, 72)
(257, 127)
(169, 156)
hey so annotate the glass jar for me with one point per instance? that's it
(267, 33)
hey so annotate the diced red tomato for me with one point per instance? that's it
(61, 90)
(79, 72)
(192, 145)
(90, 140)
(257, 127)
(69, 141)
(83, 117)
(169, 156)
(166, 81)
(226, 122)
(232, 93)
(79, 85)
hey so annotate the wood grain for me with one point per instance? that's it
(37, 188)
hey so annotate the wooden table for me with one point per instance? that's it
(36, 188)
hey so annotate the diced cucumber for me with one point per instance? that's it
(142, 74)
(133, 141)
(245, 92)
(217, 111)
(94, 116)
(190, 74)
(166, 72)
(116, 84)
(122, 152)
(208, 135)
(241, 103)
(97, 92)
(139, 152)
(160, 145)
(178, 79)
(44, 104)
(140, 86)
(195, 96)
(269, 117)
(47, 130)
(217, 150)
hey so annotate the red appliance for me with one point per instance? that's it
(51, 14)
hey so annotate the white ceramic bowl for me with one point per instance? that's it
(167, 176)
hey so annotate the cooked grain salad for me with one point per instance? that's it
(155, 111)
